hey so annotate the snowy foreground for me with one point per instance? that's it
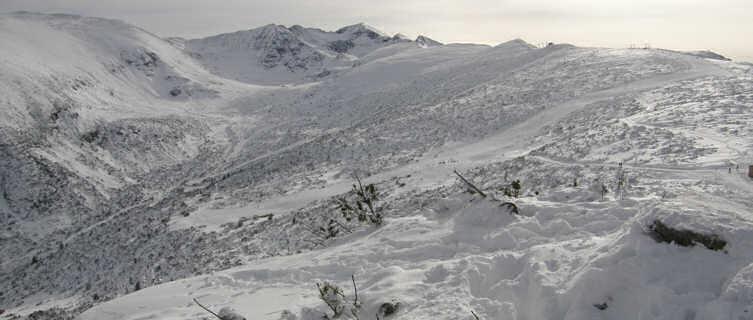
(143, 173)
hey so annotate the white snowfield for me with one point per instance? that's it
(138, 174)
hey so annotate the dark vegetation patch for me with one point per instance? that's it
(90, 136)
(341, 46)
(686, 238)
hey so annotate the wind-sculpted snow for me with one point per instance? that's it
(701, 121)
(445, 252)
(597, 134)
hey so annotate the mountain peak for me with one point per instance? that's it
(515, 43)
(400, 37)
(356, 30)
(425, 42)
(273, 28)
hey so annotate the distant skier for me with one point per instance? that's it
(730, 170)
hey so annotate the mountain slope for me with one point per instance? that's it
(60, 105)
(90, 107)
(444, 252)
(129, 184)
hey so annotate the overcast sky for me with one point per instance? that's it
(724, 26)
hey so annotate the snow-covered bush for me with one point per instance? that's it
(227, 313)
(337, 302)
(364, 206)
(388, 308)
(333, 297)
(513, 190)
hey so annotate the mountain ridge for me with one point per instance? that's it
(295, 52)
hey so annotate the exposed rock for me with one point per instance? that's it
(426, 42)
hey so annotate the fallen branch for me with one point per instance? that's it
(470, 184)
(356, 305)
(513, 207)
(207, 309)
(355, 289)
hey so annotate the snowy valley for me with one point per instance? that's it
(139, 173)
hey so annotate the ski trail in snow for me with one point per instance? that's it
(435, 168)
(737, 180)
(516, 138)
(106, 220)
(689, 169)
(725, 152)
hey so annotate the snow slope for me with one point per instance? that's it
(79, 91)
(443, 252)
(151, 196)
(90, 106)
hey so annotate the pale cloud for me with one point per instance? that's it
(721, 25)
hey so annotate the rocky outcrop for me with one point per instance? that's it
(425, 42)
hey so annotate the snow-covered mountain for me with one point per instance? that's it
(295, 53)
(152, 171)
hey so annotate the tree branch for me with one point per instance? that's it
(470, 184)
(355, 289)
(207, 310)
